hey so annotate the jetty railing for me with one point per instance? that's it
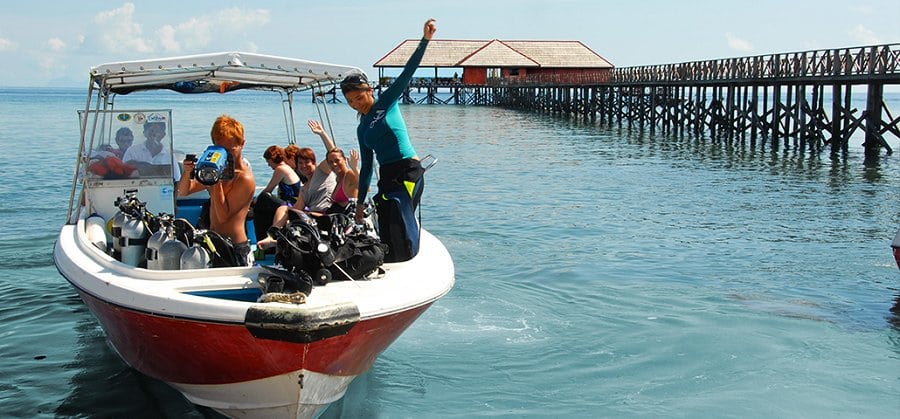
(777, 100)
(867, 63)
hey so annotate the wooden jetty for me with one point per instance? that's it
(798, 100)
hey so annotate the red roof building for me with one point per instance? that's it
(558, 62)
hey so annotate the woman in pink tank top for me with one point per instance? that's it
(347, 178)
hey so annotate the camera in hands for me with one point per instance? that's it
(214, 164)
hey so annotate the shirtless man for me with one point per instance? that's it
(229, 199)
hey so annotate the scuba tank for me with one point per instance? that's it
(134, 242)
(115, 229)
(96, 233)
(129, 231)
(156, 241)
(169, 256)
(195, 257)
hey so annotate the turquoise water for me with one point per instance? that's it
(600, 273)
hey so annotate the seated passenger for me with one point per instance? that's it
(288, 184)
(347, 179)
(321, 177)
(124, 139)
(290, 158)
(106, 161)
(315, 195)
(283, 176)
(152, 157)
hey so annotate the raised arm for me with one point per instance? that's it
(186, 185)
(396, 89)
(319, 130)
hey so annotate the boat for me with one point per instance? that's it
(206, 331)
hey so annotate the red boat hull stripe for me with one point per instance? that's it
(196, 352)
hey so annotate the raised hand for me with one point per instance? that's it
(354, 160)
(315, 127)
(430, 28)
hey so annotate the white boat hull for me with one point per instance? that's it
(234, 356)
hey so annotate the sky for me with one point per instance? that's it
(54, 43)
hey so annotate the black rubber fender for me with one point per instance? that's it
(300, 324)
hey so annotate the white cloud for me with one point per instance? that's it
(55, 44)
(166, 35)
(117, 32)
(47, 62)
(221, 30)
(738, 44)
(7, 45)
(250, 47)
(120, 31)
(235, 18)
(864, 35)
(50, 57)
(193, 34)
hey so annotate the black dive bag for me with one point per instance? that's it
(327, 255)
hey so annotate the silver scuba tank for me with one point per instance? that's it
(169, 253)
(134, 241)
(166, 232)
(115, 230)
(155, 241)
(130, 208)
(195, 257)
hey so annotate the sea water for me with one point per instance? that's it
(600, 272)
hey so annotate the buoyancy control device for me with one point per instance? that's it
(340, 253)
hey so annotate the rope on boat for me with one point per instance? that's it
(345, 273)
(280, 297)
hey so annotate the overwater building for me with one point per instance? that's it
(496, 61)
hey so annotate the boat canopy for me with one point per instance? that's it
(218, 72)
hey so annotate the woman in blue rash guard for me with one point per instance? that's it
(382, 135)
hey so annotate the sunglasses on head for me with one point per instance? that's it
(353, 81)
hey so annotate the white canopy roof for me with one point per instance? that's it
(218, 72)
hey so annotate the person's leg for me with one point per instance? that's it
(264, 213)
(399, 192)
(278, 221)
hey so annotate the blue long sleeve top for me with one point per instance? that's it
(382, 132)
